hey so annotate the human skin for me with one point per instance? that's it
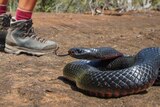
(27, 5)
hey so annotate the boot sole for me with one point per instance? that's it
(19, 50)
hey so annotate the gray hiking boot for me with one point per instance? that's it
(4, 25)
(21, 38)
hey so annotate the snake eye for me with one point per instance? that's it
(79, 51)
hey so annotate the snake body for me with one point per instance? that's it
(105, 72)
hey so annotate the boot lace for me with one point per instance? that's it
(30, 32)
(5, 21)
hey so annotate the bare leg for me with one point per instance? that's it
(3, 2)
(3, 6)
(25, 8)
(27, 5)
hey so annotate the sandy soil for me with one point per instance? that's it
(29, 81)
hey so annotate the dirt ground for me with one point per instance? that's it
(30, 81)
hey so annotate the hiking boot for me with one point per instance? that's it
(21, 38)
(4, 25)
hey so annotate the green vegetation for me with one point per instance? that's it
(12, 5)
(75, 6)
(156, 2)
(62, 5)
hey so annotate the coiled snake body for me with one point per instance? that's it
(108, 73)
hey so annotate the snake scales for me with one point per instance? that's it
(105, 72)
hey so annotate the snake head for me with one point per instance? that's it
(80, 53)
(94, 53)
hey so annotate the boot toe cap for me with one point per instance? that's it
(51, 45)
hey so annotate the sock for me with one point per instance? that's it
(3, 9)
(23, 14)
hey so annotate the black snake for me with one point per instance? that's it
(105, 72)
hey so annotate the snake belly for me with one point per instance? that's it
(115, 78)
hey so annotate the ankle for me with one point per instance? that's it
(23, 14)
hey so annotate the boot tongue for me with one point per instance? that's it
(13, 20)
(24, 24)
(28, 24)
